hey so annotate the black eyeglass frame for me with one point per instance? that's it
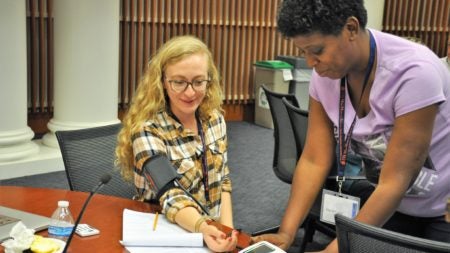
(187, 83)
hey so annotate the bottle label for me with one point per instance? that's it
(60, 231)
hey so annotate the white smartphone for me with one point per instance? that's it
(86, 230)
(262, 247)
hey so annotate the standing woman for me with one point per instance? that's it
(384, 98)
(176, 114)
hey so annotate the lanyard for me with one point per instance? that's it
(344, 141)
(204, 163)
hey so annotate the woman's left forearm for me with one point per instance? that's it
(380, 206)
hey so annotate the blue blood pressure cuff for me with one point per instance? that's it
(161, 174)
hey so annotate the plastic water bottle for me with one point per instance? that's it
(61, 223)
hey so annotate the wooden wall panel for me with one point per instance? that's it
(238, 32)
(40, 56)
(426, 21)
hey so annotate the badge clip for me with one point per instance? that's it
(340, 181)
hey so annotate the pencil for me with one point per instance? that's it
(155, 221)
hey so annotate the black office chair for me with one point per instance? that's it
(299, 122)
(357, 237)
(88, 154)
(285, 152)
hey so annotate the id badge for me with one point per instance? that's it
(333, 203)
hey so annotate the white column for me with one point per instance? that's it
(86, 44)
(375, 11)
(15, 135)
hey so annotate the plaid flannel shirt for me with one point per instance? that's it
(166, 136)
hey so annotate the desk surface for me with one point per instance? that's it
(103, 212)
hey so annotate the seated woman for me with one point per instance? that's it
(176, 113)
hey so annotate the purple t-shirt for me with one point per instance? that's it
(408, 77)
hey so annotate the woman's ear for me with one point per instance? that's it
(163, 83)
(352, 27)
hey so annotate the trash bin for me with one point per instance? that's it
(299, 85)
(275, 75)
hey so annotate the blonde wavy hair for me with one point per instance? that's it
(150, 97)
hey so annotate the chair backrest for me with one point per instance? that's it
(88, 154)
(299, 122)
(285, 151)
(354, 236)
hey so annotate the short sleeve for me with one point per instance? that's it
(421, 86)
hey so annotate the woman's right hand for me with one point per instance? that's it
(280, 239)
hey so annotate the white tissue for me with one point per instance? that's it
(22, 237)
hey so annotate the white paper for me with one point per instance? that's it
(138, 235)
(21, 239)
(166, 250)
(287, 74)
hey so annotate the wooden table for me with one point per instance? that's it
(103, 212)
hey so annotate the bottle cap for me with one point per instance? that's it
(63, 203)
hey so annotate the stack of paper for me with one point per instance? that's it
(138, 235)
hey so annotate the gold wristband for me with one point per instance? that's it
(199, 222)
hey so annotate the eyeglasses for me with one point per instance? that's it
(182, 85)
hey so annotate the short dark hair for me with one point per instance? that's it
(328, 17)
